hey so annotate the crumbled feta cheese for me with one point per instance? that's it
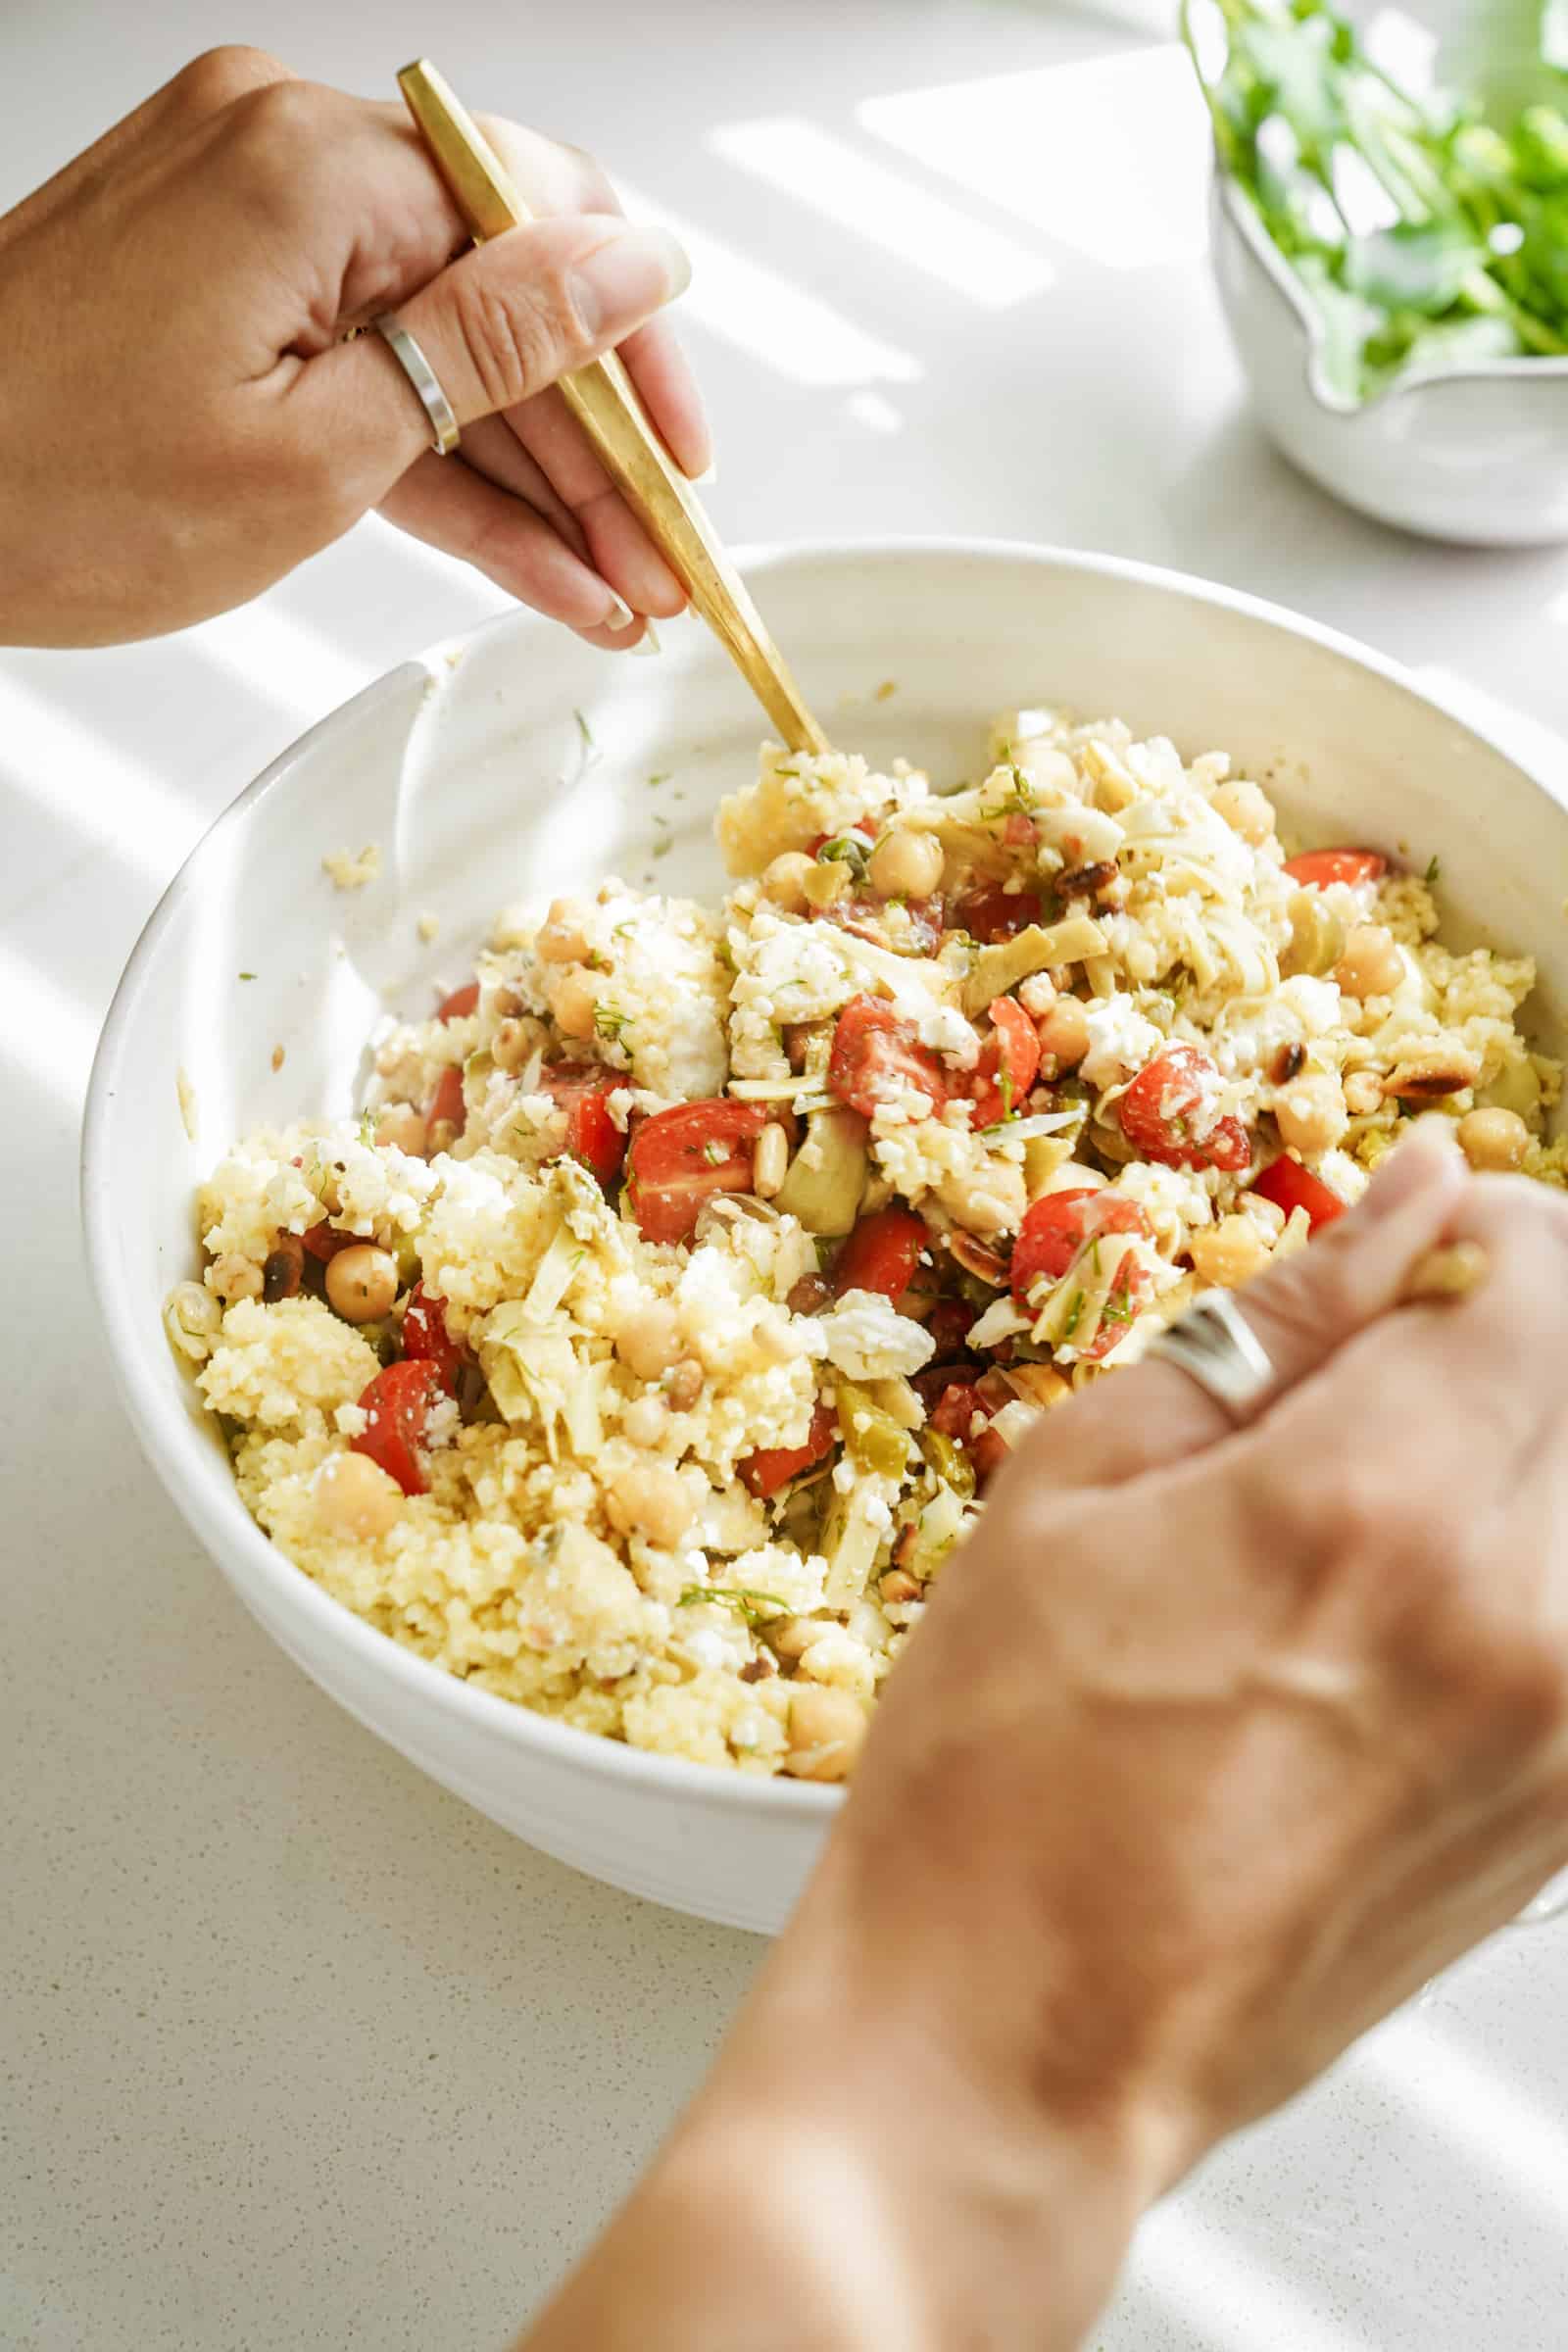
(1121, 1040)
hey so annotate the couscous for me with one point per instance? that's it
(643, 1351)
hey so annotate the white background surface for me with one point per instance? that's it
(295, 2050)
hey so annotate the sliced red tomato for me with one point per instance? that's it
(1058, 1227)
(1290, 1187)
(1165, 1114)
(324, 1241)
(882, 1253)
(876, 1054)
(461, 1002)
(992, 913)
(681, 1158)
(398, 1402)
(764, 1473)
(447, 1101)
(1008, 1062)
(1060, 1224)
(582, 1090)
(426, 1340)
(1320, 868)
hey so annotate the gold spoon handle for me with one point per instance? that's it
(604, 399)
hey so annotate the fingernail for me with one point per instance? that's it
(622, 615)
(629, 278)
(648, 642)
(710, 473)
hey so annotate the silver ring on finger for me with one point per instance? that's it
(1214, 1345)
(422, 376)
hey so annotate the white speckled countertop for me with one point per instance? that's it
(294, 2049)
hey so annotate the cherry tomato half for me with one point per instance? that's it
(1054, 1232)
(1320, 868)
(876, 1054)
(583, 1091)
(882, 1253)
(1008, 1062)
(1290, 1187)
(398, 1402)
(447, 1101)
(681, 1158)
(1165, 1114)
(461, 1002)
(762, 1474)
(426, 1340)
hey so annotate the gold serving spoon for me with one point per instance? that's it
(604, 400)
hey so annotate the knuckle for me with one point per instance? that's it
(217, 76)
(509, 338)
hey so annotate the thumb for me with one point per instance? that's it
(505, 321)
(1304, 1310)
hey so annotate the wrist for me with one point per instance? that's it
(914, 2196)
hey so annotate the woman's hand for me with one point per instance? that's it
(181, 420)
(1213, 1745)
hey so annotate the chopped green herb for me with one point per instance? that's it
(846, 849)
(609, 1023)
(367, 1129)
(662, 848)
(744, 1599)
(247, 975)
(1434, 872)
(663, 778)
(714, 1152)
(584, 730)
(1075, 1315)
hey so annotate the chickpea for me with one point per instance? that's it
(771, 1161)
(354, 1497)
(827, 1731)
(514, 1043)
(647, 1500)
(574, 999)
(1065, 1033)
(1493, 1138)
(905, 864)
(562, 936)
(645, 1421)
(234, 1277)
(784, 880)
(1310, 1112)
(1245, 810)
(790, 1638)
(403, 1128)
(1363, 1091)
(1371, 964)
(648, 1340)
(684, 1385)
(362, 1282)
(1230, 1252)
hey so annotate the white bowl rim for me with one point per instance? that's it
(1242, 213)
(167, 1438)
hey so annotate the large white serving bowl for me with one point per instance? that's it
(472, 768)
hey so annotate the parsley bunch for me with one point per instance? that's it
(1426, 236)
